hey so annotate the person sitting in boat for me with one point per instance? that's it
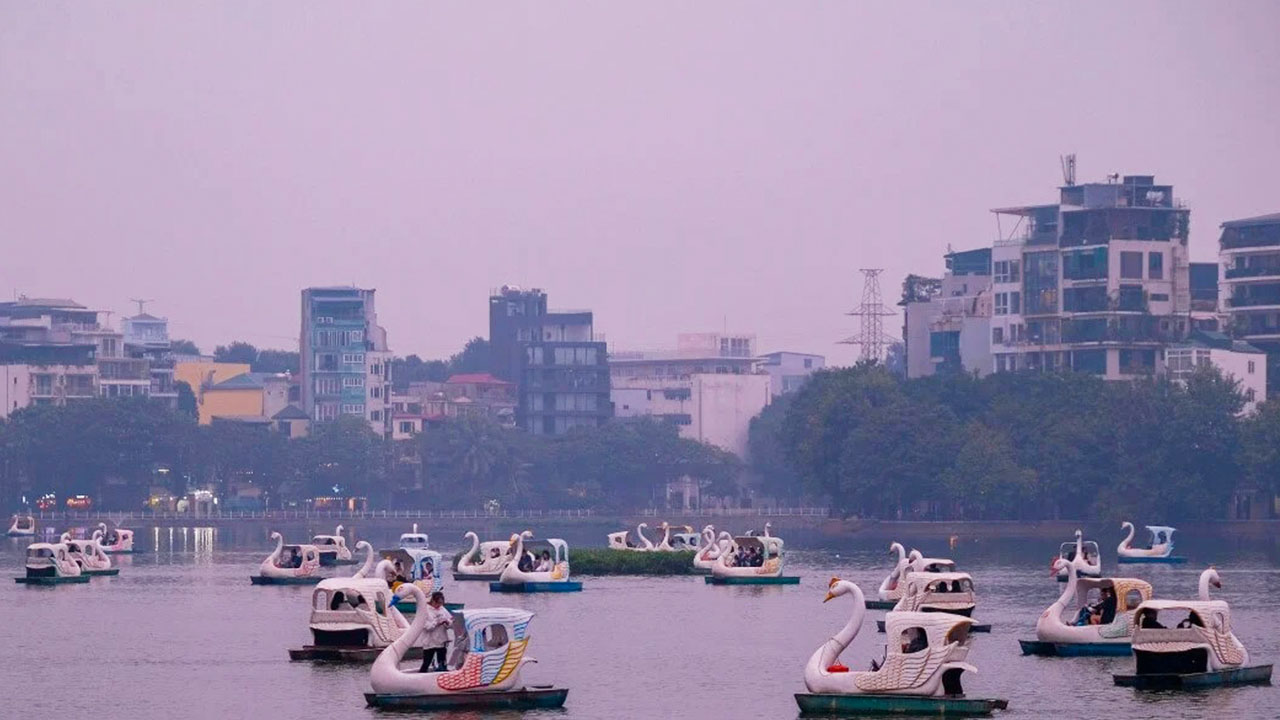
(1191, 620)
(914, 640)
(526, 563)
(1101, 612)
(1148, 619)
(494, 554)
(544, 563)
(294, 560)
(336, 602)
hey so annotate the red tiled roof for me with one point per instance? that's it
(475, 379)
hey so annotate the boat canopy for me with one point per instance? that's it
(419, 562)
(414, 540)
(319, 540)
(1068, 549)
(1161, 534)
(44, 550)
(930, 582)
(933, 565)
(1130, 592)
(559, 548)
(476, 622)
(940, 628)
(688, 539)
(770, 546)
(1213, 615)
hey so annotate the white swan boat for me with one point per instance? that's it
(115, 541)
(890, 590)
(726, 570)
(949, 592)
(89, 556)
(495, 641)
(415, 540)
(289, 565)
(712, 548)
(333, 548)
(920, 673)
(368, 568)
(485, 560)
(1160, 551)
(352, 620)
(514, 579)
(677, 538)
(22, 526)
(1055, 636)
(620, 541)
(50, 564)
(1199, 650)
(417, 566)
(1091, 563)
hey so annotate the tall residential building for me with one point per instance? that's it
(710, 386)
(1101, 280)
(49, 353)
(147, 337)
(346, 366)
(559, 365)
(947, 322)
(1249, 251)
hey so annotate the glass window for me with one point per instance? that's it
(1131, 265)
(997, 335)
(1002, 303)
(1155, 265)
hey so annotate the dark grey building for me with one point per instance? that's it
(555, 359)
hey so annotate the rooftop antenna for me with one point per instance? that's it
(140, 302)
(1068, 169)
(871, 312)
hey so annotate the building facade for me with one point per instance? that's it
(558, 364)
(1249, 253)
(947, 322)
(710, 387)
(1235, 359)
(346, 365)
(1103, 280)
(146, 337)
(789, 370)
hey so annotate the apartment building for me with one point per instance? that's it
(1249, 253)
(346, 365)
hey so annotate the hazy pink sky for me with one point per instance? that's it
(673, 166)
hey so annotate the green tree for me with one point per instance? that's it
(187, 405)
(985, 481)
(236, 352)
(184, 347)
(474, 358)
(771, 472)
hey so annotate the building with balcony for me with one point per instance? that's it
(789, 370)
(346, 365)
(1249, 253)
(559, 365)
(947, 322)
(49, 352)
(146, 337)
(1102, 280)
(710, 386)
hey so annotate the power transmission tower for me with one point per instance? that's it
(871, 313)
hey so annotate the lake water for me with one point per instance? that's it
(180, 633)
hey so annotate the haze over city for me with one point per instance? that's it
(670, 166)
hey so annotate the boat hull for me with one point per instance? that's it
(981, 627)
(263, 580)
(881, 604)
(487, 577)
(731, 580)
(410, 608)
(526, 699)
(332, 560)
(1052, 649)
(345, 654)
(1170, 560)
(831, 704)
(52, 580)
(100, 573)
(536, 587)
(1251, 675)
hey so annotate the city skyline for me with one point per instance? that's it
(219, 162)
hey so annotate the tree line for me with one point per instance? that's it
(119, 452)
(1017, 446)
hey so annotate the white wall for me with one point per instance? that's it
(1237, 365)
(15, 391)
(720, 406)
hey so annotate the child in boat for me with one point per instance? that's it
(544, 563)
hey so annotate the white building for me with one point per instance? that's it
(40, 384)
(710, 386)
(948, 322)
(789, 370)
(1235, 359)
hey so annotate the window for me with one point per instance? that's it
(375, 369)
(679, 418)
(1131, 265)
(1250, 395)
(350, 381)
(997, 335)
(1159, 297)
(326, 361)
(1006, 271)
(326, 411)
(1002, 303)
(1040, 282)
(1155, 266)
(44, 384)
(808, 363)
(327, 386)
(376, 416)
(1251, 367)
(1015, 303)
(352, 409)
(1085, 264)
(375, 391)
(353, 358)
(406, 427)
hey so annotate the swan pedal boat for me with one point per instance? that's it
(333, 549)
(711, 549)
(496, 640)
(22, 526)
(343, 632)
(425, 569)
(893, 585)
(922, 593)
(493, 557)
(270, 572)
(912, 679)
(1054, 637)
(1161, 550)
(1092, 564)
(118, 541)
(515, 580)
(90, 557)
(620, 541)
(1201, 651)
(50, 564)
(723, 572)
